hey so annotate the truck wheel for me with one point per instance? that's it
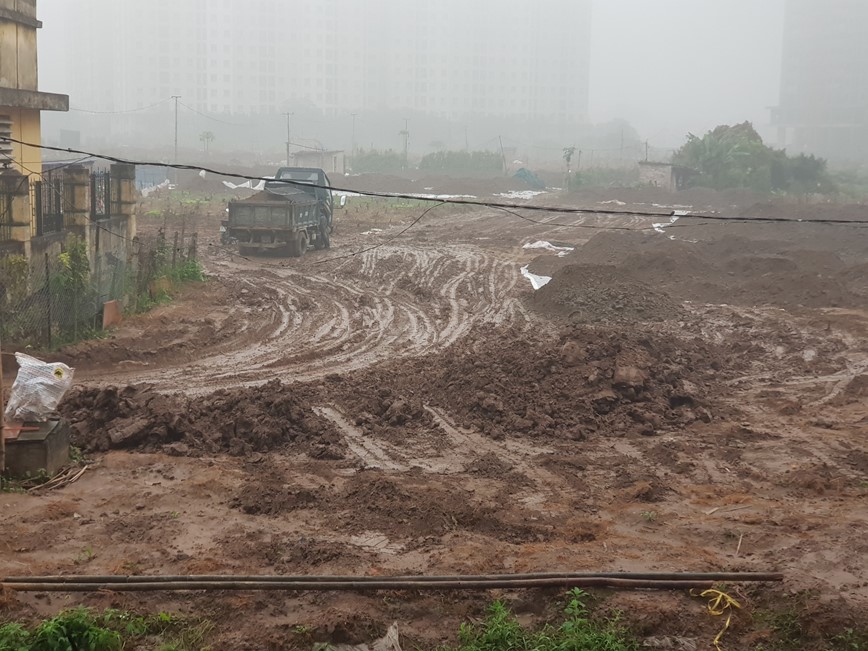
(300, 244)
(324, 236)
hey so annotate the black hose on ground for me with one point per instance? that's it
(364, 584)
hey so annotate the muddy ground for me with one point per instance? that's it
(681, 398)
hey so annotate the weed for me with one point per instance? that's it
(8, 485)
(501, 630)
(786, 627)
(649, 516)
(850, 640)
(174, 515)
(82, 629)
(191, 638)
(85, 556)
(76, 629)
(14, 637)
(75, 454)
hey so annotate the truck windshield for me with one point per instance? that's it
(309, 177)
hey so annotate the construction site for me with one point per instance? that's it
(465, 390)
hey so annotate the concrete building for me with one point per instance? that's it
(449, 59)
(824, 84)
(666, 176)
(332, 162)
(20, 99)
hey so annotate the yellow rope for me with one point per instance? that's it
(719, 604)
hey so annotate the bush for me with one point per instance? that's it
(378, 162)
(462, 162)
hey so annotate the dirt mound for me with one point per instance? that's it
(590, 380)
(730, 269)
(407, 510)
(238, 421)
(590, 293)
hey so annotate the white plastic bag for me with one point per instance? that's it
(38, 389)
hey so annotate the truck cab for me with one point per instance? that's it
(312, 180)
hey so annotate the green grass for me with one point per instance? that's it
(82, 629)
(501, 631)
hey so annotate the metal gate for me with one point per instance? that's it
(100, 195)
(47, 196)
(5, 217)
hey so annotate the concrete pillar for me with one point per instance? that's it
(76, 199)
(125, 195)
(15, 189)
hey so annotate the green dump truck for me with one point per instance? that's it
(292, 212)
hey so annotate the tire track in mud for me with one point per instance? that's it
(305, 322)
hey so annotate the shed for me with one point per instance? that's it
(330, 161)
(667, 176)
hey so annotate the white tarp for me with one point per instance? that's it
(247, 185)
(520, 194)
(536, 281)
(548, 246)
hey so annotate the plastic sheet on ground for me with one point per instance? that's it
(154, 188)
(536, 281)
(38, 389)
(548, 246)
(520, 194)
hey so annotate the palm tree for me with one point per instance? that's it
(207, 137)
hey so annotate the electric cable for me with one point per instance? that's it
(450, 201)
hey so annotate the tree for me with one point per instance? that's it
(736, 157)
(207, 137)
(569, 152)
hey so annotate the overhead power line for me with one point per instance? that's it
(566, 210)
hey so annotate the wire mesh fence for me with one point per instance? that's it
(61, 299)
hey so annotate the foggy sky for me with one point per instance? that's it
(666, 66)
(673, 66)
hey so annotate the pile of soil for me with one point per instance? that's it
(416, 509)
(709, 266)
(595, 293)
(591, 380)
(237, 421)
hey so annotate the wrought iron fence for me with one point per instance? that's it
(47, 201)
(50, 302)
(100, 195)
(5, 217)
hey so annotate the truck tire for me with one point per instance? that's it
(322, 241)
(298, 246)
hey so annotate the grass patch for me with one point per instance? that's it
(82, 629)
(501, 631)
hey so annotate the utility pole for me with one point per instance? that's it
(288, 135)
(502, 154)
(406, 134)
(646, 151)
(466, 141)
(354, 135)
(176, 98)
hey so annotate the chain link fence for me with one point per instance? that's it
(61, 299)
